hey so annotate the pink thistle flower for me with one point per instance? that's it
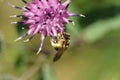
(47, 17)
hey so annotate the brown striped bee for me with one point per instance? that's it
(60, 43)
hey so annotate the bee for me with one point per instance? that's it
(60, 43)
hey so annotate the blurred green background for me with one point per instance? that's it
(94, 52)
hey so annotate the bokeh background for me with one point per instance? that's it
(94, 52)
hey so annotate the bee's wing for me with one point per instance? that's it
(58, 55)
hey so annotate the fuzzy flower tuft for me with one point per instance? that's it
(47, 17)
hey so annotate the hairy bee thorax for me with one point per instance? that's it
(60, 44)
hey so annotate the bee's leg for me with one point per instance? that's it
(56, 49)
(58, 55)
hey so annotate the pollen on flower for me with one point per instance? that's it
(47, 17)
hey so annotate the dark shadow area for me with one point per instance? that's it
(99, 14)
(21, 27)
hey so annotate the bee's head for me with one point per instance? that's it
(54, 39)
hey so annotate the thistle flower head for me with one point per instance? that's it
(47, 17)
